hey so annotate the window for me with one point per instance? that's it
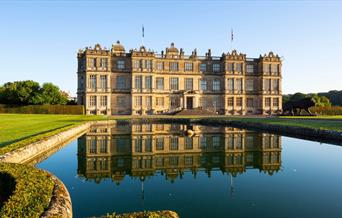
(230, 101)
(120, 64)
(120, 82)
(92, 63)
(136, 64)
(138, 144)
(174, 83)
(188, 84)
(104, 63)
(173, 66)
(276, 85)
(138, 82)
(148, 64)
(238, 84)
(148, 144)
(250, 68)
(230, 84)
(216, 141)
(203, 67)
(249, 102)
(160, 83)
(216, 67)
(275, 69)
(160, 66)
(160, 143)
(216, 85)
(275, 102)
(103, 81)
(239, 101)
(175, 102)
(174, 143)
(160, 101)
(230, 67)
(188, 143)
(267, 102)
(239, 67)
(103, 100)
(203, 85)
(137, 100)
(267, 68)
(217, 102)
(188, 66)
(148, 82)
(92, 101)
(188, 160)
(121, 101)
(92, 84)
(249, 84)
(149, 101)
(267, 85)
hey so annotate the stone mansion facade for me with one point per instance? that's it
(112, 81)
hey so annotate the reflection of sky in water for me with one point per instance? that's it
(308, 184)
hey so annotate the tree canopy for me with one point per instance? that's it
(320, 101)
(30, 92)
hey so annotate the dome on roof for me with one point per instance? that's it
(172, 48)
(118, 47)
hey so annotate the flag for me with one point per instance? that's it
(143, 32)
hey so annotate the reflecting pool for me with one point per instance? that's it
(206, 172)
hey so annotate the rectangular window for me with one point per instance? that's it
(138, 144)
(160, 143)
(249, 102)
(92, 84)
(174, 143)
(92, 63)
(203, 68)
(92, 101)
(104, 63)
(267, 85)
(149, 101)
(188, 143)
(121, 101)
(216, 85)
(160, 101)
(249, 84)
(230, 67)
(203, 85)
(250, 68)
(148, 144)
(160, 66)
(120, 82)
(138, 100)
(188, 66)
(230, 84)
(103, 81)
(120, 64)
(230, 101)
(267, 68)
(136, 64)
(239, 67)
(276, 85)
(189, 160)
(138, 82)
(103, 100)
(217, 102)
(160, 83)
(148, 64)
(216, 67)
(173, 66)
(238, 84)
(174, 83)
(175, 102)
(188, 84)
(267, 102)
(239, 101)
(275, 102)
(148, 82)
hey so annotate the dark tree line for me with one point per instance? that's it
(29, 92)
(320, 100)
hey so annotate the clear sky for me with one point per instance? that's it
(39, 40)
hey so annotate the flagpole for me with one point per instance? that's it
(231, 39)
(142, 39)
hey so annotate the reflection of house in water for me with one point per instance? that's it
(142, 150)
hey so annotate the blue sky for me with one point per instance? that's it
(39, 39)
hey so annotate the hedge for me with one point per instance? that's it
(42, 109)
(329, 110)
(32, 193)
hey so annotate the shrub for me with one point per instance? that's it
(328, 110)
(42, 109)
(32, 193)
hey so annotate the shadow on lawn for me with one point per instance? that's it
(3, 144)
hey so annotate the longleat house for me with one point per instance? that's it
(112, 81)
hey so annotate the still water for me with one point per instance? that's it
(216, 172)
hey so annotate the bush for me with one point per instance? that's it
(42, 109)
(329, 110)
(32, 193)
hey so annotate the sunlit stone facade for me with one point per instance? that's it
(142, 150)
(112, 81)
